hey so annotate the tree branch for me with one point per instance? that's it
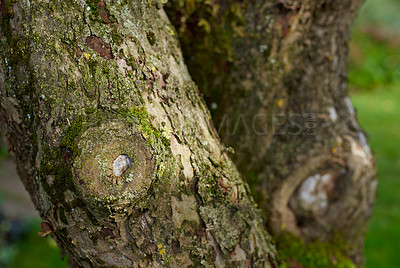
(114, 143)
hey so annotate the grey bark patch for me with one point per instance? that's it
(185, 210)
(116, 260)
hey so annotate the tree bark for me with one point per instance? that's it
(274, 74)
(114, 143)
(118, 150)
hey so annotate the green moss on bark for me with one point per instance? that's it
(72, 132)
(292, 252)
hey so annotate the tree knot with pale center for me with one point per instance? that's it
(105, 175)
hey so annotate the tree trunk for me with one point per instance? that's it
(274, 74)
(118, 150)
(114, 143)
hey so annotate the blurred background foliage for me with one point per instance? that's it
(375, 46)
(374, 78)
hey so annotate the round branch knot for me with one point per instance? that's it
(105, 176)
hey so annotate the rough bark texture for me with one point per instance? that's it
(274, 74)
(81, 84)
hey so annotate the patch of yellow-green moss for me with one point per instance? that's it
(141, 118)
(93, 10)
(72, 132)
(293, 252)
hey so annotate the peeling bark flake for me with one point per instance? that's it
(97, 44)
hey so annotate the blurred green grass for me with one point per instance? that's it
(378, 113)
(22, 247)
(38, 252)
(374, 77)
